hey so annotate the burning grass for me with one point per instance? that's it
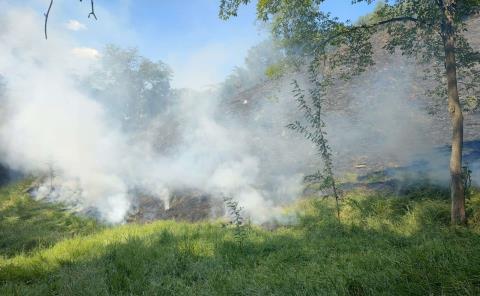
(383, 244)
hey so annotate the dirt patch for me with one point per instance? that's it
(184, 205)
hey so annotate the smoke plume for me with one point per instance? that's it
(237, 147)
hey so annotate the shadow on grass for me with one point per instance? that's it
(26, 224)
(363, 255)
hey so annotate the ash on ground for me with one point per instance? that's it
(184, 205)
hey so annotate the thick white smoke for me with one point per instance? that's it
(52, 122)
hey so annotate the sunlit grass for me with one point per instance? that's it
(382, 245)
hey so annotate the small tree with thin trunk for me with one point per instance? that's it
(429, 30)
(314, 130)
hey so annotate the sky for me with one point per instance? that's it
(187, 35)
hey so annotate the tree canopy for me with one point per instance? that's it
(135, 87)
(413, 27)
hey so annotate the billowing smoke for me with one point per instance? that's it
(238, 146)
(53, 124)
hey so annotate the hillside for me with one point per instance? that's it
(383, 245)
(387, 103)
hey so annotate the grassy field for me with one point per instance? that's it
(383, 245)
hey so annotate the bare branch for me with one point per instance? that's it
(92, 12)
(46, 18)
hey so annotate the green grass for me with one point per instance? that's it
(383, 245)
(26, 224)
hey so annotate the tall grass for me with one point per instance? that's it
(384, 245)
(26, 224)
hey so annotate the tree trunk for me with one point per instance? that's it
(455, 110)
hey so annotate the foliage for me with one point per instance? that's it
(414, 27)
(275, 71)
(422, 39)
(235, 211)
(371, 18)
(314, 130)
(135, 88)
(384, 243)
(263, 62)
(471, 103)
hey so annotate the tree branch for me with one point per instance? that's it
(397, 19)
(356, 28)
(46, 18)
(92, 12)
(369, 26)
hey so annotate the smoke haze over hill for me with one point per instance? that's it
(235, 146)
